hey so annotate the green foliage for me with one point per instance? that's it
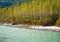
(57, 22)
(36, 12)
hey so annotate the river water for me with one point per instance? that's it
(14, 34)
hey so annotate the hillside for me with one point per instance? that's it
(35, 12)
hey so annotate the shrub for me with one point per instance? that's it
(57, 22)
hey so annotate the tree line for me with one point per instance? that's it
(35, 12)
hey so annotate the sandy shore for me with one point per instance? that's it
(47, 28)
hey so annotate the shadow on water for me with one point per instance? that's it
(4, 39)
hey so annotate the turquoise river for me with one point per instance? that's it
(14, 34)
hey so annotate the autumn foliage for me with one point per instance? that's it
(35, 12)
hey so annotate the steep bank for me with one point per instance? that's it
(45, 13)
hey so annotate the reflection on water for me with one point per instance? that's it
(4, 39)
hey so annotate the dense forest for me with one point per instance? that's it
(35, 12)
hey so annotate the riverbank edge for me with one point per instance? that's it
(44, 28)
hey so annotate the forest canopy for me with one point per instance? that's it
(35, 12)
